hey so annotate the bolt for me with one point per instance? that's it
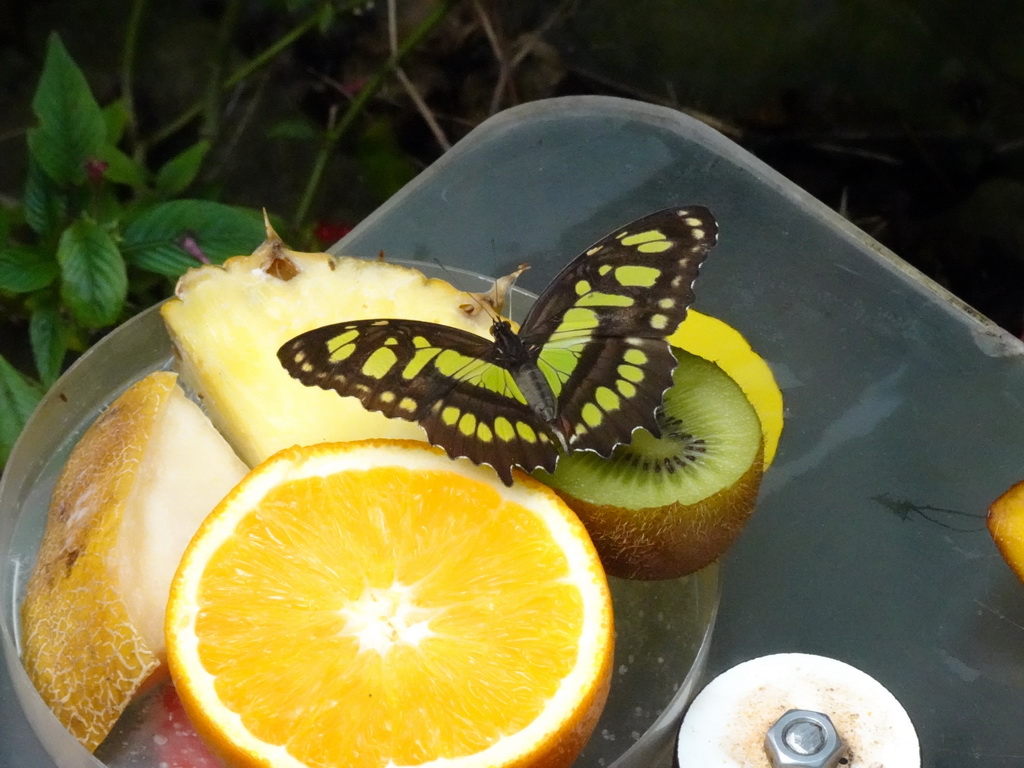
(804, 739)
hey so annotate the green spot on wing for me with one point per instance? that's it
(467, 424)
(634, 356)
(635, 276)
(597, 299)
(630, 373)
(380, 361)
(526, 432)
(557, 365)
(655, 247)
(639, 238)
(591, 414)
(607, 399)
(504, 430)
(578, 319)
(419, 360)
(449, 362)
(341, 346)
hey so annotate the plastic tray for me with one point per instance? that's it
(905, 410)
(662, 628)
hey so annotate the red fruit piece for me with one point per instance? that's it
(177, 744)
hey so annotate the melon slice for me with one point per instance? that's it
(133, 492)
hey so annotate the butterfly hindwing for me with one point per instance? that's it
(600, 329)
(625, 379)
(489, 428)
(444, 378)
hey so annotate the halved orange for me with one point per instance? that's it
(376, 604)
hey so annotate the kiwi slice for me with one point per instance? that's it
(667, 506)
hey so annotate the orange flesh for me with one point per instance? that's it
(429, 630)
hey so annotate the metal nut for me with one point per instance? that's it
(804, 739)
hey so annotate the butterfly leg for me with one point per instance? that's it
(560, 428)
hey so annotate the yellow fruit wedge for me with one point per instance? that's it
(1006, 526)
(132, 493)
(375, 604)
(720, 343)
(227, 323)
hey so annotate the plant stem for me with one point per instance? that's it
(261, 60)
(131, 47)
(217, 63)
(410, 87)
(356, 106)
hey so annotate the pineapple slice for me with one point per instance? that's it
(133, 492)
(227, 323)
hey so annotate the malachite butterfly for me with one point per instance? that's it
(589, 364)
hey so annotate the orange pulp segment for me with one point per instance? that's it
(377, 604)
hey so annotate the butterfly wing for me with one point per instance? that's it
(600, 331)
(446, 379)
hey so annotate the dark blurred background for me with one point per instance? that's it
(904, 116)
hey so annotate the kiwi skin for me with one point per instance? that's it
(673, 540)
(698, 523)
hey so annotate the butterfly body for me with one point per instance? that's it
(511, 352)
(589, 364)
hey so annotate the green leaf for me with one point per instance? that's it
(5, 223)
(24, 269)
(384, 164)
(181, 170)
(71, 129)
(122, 169)
(44, 204)
(94, 281)
(293, 128)
(327, 16)
(115, 118)
(171, 237)
(19, 396)
(48, 338)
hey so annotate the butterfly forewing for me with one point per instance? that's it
(444, 378)
(601, 336)
(655, 257)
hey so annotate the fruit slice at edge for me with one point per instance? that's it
(137, 484)
(381, 623)
(656, 521)
(719, 342)
(1006, 526)
(226, 323)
